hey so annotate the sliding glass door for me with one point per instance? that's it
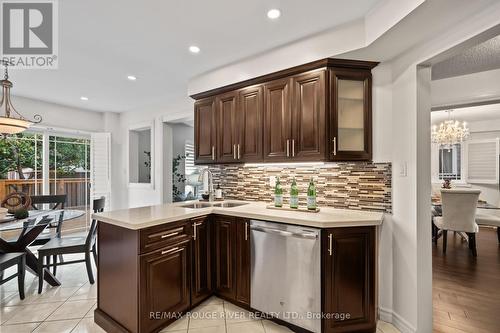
(64, 161)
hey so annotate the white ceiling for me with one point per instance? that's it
(101, 42)
(469, 114)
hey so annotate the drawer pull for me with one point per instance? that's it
(172, 250)
(169, 235)
(330, 244)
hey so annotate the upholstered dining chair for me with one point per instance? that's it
(459, 214)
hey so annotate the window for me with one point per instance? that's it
(450, 163)
(482, 161)
(189, 166)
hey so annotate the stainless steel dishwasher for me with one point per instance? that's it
(285, 272)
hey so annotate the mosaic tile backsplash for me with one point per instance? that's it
(357, 185)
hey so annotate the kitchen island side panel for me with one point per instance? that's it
(118, 275)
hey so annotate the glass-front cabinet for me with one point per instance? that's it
(350, 115)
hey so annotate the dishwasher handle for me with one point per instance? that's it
(283, 232)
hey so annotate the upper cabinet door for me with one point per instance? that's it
(249, 146)
(205, 131)
(351, 135)
(309, 117)
(277, 114)
(226, 127)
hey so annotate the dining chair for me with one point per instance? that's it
(53, 202)
(71, 245)
(459, 210)
(10, 259)
(489, 220)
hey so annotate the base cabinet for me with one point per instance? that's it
(232, 259)
(201, 281)
(349, 279)
(147, 275)
(164, 284)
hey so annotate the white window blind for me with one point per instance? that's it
(482, 161)
(190, 168)
(100, 167)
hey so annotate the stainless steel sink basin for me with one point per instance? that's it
(197, 205)
(229, 204)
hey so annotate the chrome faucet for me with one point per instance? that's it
(211, 193)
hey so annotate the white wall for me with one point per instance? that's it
(59, 116)
(463, 89)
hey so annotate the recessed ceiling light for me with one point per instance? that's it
(131, 77)
(273, 14)
(194, 49)
(83, 98)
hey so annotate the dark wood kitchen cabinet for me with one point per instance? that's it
(351, 120)
(243, 262)
(164, 284)
(225, 256)
(250, 113)
(308, 140)
(232, 258)
(201, 285)
(227, 128)
(205, 135)
(314, 112)
(349, 279)
(277, 120)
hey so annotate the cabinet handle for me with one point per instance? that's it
(287, 148)
(234, 151)
(246, 230)
(238, 151)
(334, 145)
(194, 229)
(169, 235)
(293, 147)
(172, 250)
(330, 244)
(213, 153)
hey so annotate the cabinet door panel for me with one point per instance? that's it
(277, 129)
(351, 115)
(204, 131)
(226, 127)
(225, 256)
(309, 116)
(250, 128)
(349, 279)
(201, 278)
(243, 261)
(165, 281)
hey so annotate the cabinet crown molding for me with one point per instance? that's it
(323, 63)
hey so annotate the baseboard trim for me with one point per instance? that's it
(395, 319)
(385, 314)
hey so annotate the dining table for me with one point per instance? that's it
(30, 228)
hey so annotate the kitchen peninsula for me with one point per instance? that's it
(168, 258)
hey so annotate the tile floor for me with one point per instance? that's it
(70, 308)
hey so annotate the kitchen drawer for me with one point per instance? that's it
(163, 235)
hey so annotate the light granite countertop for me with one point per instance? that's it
(327, 217)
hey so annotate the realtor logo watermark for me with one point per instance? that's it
(29, 36)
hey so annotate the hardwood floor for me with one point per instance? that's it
(466, 291)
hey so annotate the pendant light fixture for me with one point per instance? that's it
(450, 132)
(11, 121)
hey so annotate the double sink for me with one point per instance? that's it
(198, 205)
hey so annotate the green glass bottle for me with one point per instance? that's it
(311, 196)
(278, 193)
(294, 194)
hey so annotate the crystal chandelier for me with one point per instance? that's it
(449, 132)
(11, 122)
